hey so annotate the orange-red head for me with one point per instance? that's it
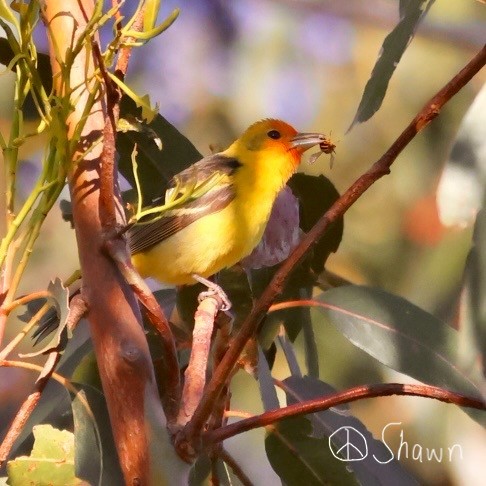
(278, 138)
(269, 152)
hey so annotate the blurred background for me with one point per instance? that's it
(224, 65)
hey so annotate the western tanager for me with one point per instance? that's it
(202, 236)
(226, 223)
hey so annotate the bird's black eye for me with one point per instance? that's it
(275, 134)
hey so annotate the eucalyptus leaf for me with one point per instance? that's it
(266, 384)
(298, 458)
(411, 14)
(155, 167)
(50, 462)
(54, 406)
(96, 456)
(60, 298)
(475, 281)
(399, 335)
(379, 466)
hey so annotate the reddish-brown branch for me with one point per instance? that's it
(26, 409)
(351, 395)
(126, 50)
(171, 397)
(109, 196)
(23, 414)
(195, 374)
(121, 348)
(276, 286)
(115, 243)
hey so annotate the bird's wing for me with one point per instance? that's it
(143, 236)
(205, 168)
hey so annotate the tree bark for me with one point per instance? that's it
(122, 354)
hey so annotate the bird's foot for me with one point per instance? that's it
(213, 289)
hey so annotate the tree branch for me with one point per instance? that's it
(195, 374)
(351, 395)
(276, 286)
(121, 348)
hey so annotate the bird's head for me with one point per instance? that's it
(279, 137)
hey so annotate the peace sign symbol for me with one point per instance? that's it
(353, 444)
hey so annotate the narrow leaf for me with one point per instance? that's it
(155, 167)
(411, 13)
(96, 458)
(60, 297)
(378, 466)
(265, 382)
(399, 335)
(475, 277)
(298, 458)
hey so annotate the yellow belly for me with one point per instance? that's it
(204, 247)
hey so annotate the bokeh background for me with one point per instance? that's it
(224, 65)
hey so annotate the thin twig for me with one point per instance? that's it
(276, 286)
(126, 50)
(25, 330)
(26, 409)
(329, 401)
(25, 299)
(18, 424)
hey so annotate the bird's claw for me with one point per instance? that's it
(213, 289)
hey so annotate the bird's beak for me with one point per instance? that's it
(304, 141)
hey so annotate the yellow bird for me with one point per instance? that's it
(218, 229)
(204, 235)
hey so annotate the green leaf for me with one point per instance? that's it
(149, 33)
(155, 167)
(399, 335)
(43, 68)
(50, 463)
(289, 354)
(475, 276)
(7, 14)
(298, 458)
(316, 194)
(330, 423)
(200, 471)
(411, 13)
(143, 102)
(266, 383)
(96, 457)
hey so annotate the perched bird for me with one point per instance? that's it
(226, 223)
(203, 235)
